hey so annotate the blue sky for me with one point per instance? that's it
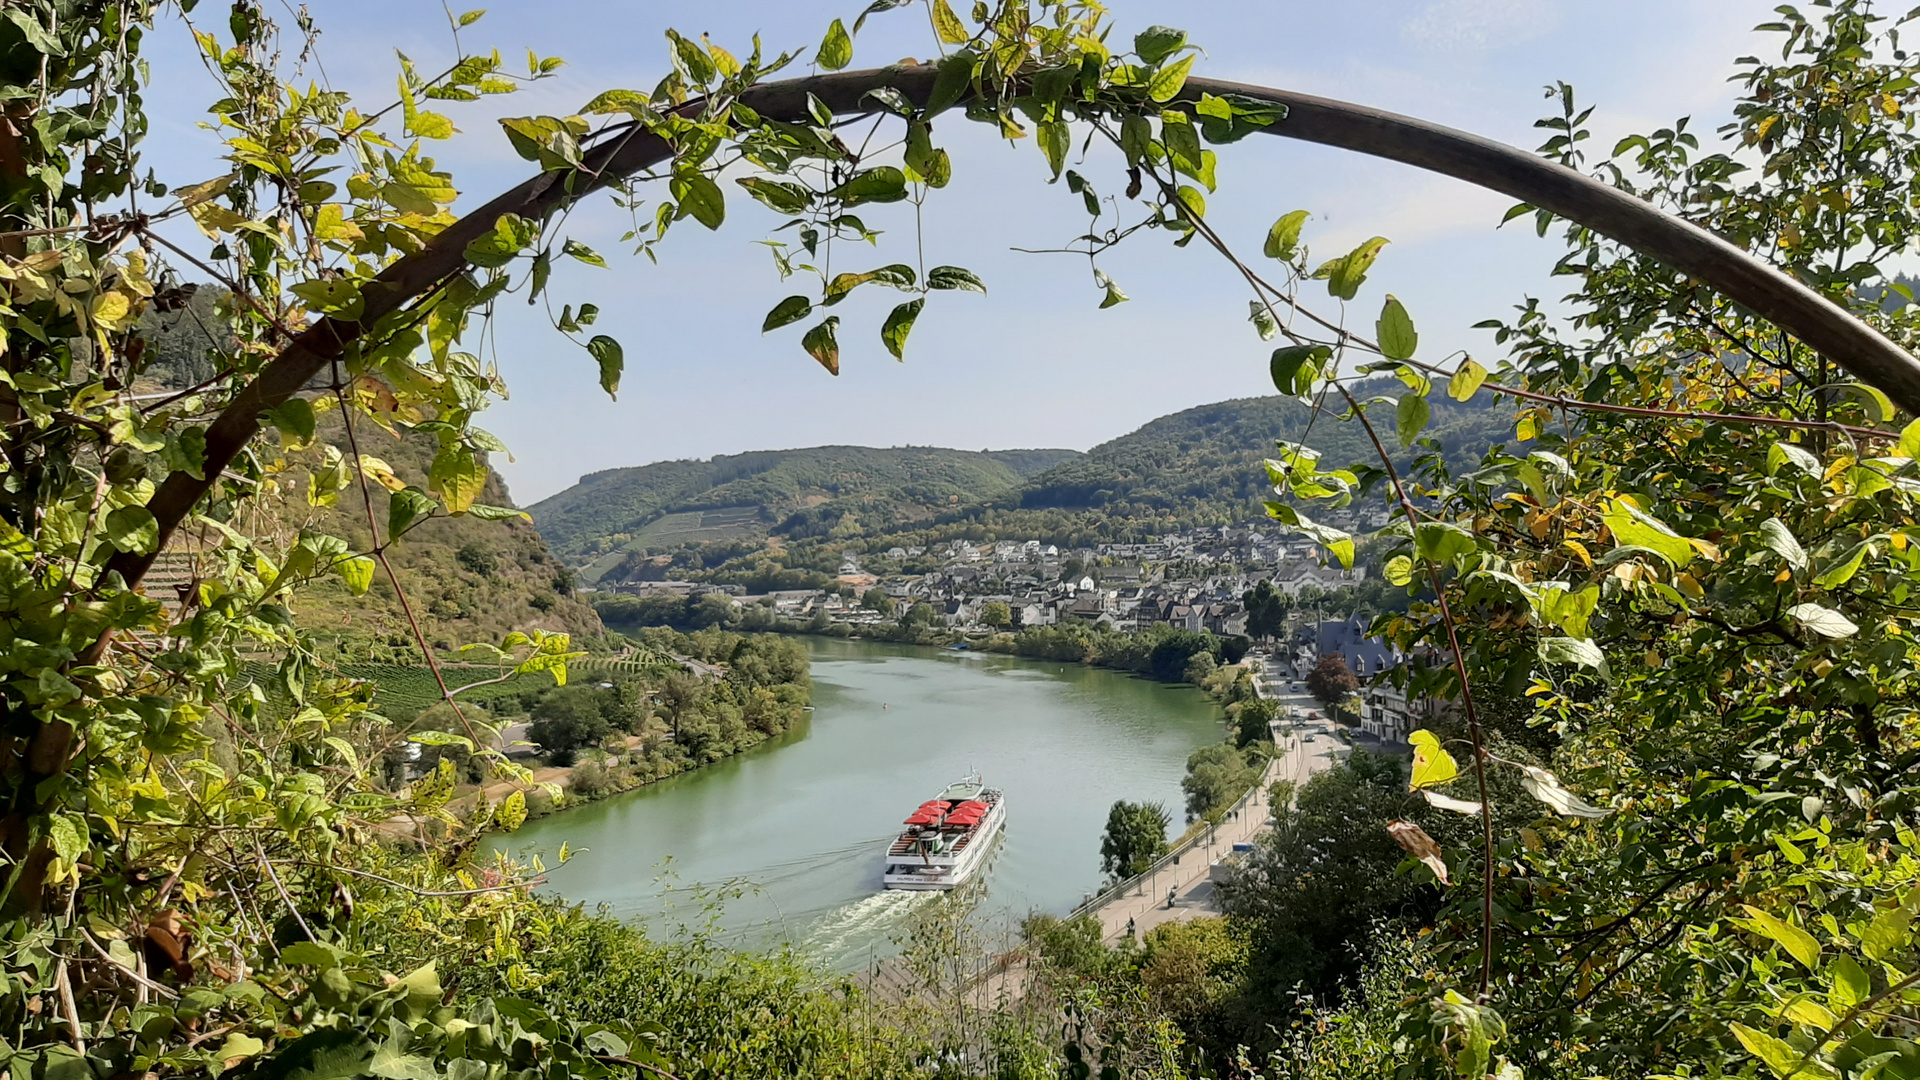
(1033, 363)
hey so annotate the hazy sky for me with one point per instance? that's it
(1034, 363)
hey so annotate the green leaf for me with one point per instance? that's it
(893, 332)
(458, 476)
(952, 82)
(1165, 84)
(1632, 527)
(1395, 328)
(1775, 534)
(404, 508)
(1441, 542)
(511, 234)
(821, 344)
(1182, 141)
(1570, 611)
(1910, 441)
(310, 954)
(1845, 567)
(1294, 367)
(1567, 650)
(1824, 621)
(1056, 139)
(133, 529)
(1849, 983)
(1781, 454)
(777, 195)
(1781, 1057)
(1262, 318)
(1346, 274)
(1466, 381)
(788, 311)
(1156, 43)
(1283, 239)
(582, 252)
(954, 277)
(836, 50)
(237, 1048)
(1798, 943)
(699, 197)
(1136, 138)
(948, 25)
(882, 185)
(1411, 417)
(1882, 404)
(293, 417)
(1399, 570)
(1113, 294)
(612, 360)
(357, 572)
(1889, 932)
(1431, 762)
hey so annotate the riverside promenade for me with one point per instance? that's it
(1307, 745)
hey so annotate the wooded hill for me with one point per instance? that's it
(794, 493)
(1200, 466)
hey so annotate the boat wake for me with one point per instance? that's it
(874, 918)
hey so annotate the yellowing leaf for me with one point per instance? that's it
(1799, 944)
(1431, 762)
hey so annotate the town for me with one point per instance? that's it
(1282, 593)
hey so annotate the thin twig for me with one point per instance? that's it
(291, 908)
(124, 969)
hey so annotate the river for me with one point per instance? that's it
(798, 822)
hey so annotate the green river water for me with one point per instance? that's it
(799, 822)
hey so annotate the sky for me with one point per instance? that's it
(1034, 363)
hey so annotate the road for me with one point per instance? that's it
(1307, 744)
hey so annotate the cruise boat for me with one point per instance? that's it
(946, 840)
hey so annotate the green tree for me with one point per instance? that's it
(569, 719)
(1136, 835)
(1219, 774)
(996, 614)
(877, 600)
(1255, 721)
(1267, 609)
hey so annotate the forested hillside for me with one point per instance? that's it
(1205, 461)
(794, 492)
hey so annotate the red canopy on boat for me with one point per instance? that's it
(924, 816)
(967, 813)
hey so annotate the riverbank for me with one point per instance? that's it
(673, 704)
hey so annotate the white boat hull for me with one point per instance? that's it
(940, 873)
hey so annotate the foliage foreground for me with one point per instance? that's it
(1677, 626)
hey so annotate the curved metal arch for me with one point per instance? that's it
(1686, 247)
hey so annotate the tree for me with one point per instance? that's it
(1219, 774)
(1331, 682)
(1136, 835)
(920, 614)
(877, 600)
(996, 614)
(570, 718)
(1199, 667)
(1319, 885)
(1267, 609)
(1255, 722)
